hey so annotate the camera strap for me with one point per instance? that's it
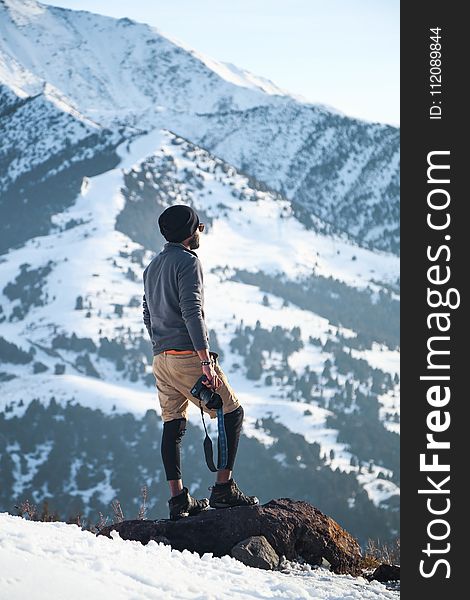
(222, 442)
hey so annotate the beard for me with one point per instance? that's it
(194, 241)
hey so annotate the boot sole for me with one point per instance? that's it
(187, 514)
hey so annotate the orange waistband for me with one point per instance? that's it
(178, 352)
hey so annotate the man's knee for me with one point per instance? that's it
(235, 418)
(174, 430)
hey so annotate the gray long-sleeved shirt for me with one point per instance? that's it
(173, 301)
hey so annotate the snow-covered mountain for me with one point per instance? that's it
(126, 75)
(106, 123)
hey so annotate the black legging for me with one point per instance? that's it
(174, 430)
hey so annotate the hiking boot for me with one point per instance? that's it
(225, 495)
(184, 505)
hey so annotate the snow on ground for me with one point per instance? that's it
(390, 407)
(33, 461)
(378, 490)
(230, 302)
(310, 356)
(52, 561)
(86, 391)
(380, 357)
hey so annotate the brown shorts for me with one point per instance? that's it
(175, 375)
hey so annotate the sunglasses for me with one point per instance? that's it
(201, 227)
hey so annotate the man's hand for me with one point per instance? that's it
(213, 381)
(212, 377)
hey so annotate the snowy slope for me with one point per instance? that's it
(55, 560)
(43, 126)
(122, 68)
(93, 260)
(127, 77)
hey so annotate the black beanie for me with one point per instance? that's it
(178, 222)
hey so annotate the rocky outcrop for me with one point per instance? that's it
(294, 529)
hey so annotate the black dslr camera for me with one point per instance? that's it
(211, 399)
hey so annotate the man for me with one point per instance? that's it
(173, 306)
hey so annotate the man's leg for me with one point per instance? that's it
(181, 504)
(226, 493)
(186, 369)
(174, 406)
(233, 425)
(173, 431)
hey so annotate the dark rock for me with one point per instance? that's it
(386, 572)
(295, 529)
(256, 551)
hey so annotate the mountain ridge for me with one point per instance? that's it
(127, 77)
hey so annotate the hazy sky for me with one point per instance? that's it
(344, 53)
